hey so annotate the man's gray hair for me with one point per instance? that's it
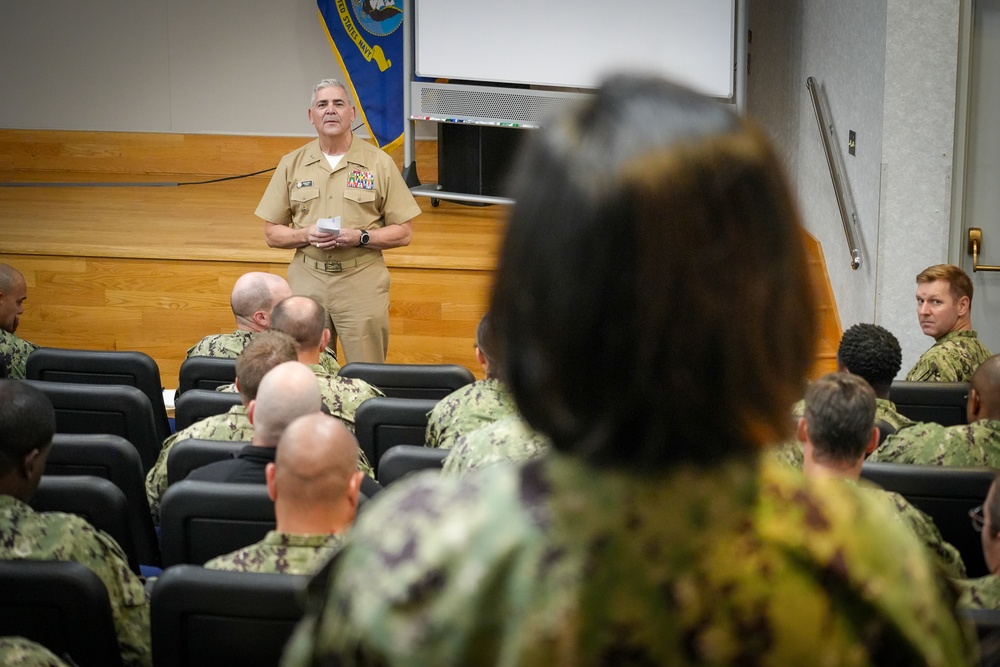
(330, 83)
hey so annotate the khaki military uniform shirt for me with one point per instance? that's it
(981, 593)
(466, 410)
(14, 354)
(976, 444)
(232, 426)
(20, 652)
(282, 553)
(508, 439)
(558, 563)
(230, 346)
(952, 359)
(30, 535)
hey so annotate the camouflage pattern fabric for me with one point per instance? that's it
(282, 553)
(508, 439)
(21, 652)
(229, 346)
(26, 534)
(952, 359)
(981, 593)
(886, 411)
(923, 527)
(788, 453)
(232, 426)
(976, 444)
(558, 563)
(14, 354)
(466, 410)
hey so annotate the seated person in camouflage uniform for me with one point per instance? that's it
(473, 406)
(286, 392)
(974, 444)
(870, 352)
(652, 272)
(13, 351)
(254, 296)
(944, 302)
(27, 422)
(507, 439)
(21, 652)
(264, 352)
(304, 319)
(837, 432)
(984, 592)
(314, 483)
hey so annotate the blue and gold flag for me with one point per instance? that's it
(367, 38)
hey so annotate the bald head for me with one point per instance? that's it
(302, 318)
(254, 296)
(13, 292)
(316, 458)
(984, 392)
(286, 392)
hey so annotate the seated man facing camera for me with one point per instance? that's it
(654, 245)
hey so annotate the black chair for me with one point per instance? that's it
(95, 499)
(192, 453)
(885, 429)
(127, 367)
(941, 402)
(427, 381)
(113, 458)
(61, 605)
(402, 460)
(115, 409)
(205, 373)
(211, 617)
(946, 495)
(202, 520)
(381, 423)
(196, 404)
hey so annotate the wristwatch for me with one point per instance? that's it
(365, 238)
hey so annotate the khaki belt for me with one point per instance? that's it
(337, 267)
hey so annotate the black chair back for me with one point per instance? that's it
(940, 402)
(211, 617)
(196, 404)
(126, 367)
(108, 409)
(202, 520)
(402, 460)
(381, 423)
(61, 605)
(426, 381)
(95, 499)
(204, 373)
(193, 453)
(946, 495)
(113, 458)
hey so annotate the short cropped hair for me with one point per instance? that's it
(687, 338)
(27, 421)
(961, 284)
(302, 318)
(330, 83)
(486, 342)
(840, 413)
(265, 350)
(871, 352)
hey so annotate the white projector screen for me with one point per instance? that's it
(574, 44)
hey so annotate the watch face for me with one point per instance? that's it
(364, 238)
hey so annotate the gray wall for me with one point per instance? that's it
(889, 72)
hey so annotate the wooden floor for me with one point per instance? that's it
(151, 268)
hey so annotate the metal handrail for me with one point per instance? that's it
(835, 161)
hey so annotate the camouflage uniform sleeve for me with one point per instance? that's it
(437, 420)
(788, 453)
(508, 439)
(21, 652)
(923, 527)
(14, 354)
(156, 478)
(913, 444)
(129, 604)
(329, 363)
(981, 593)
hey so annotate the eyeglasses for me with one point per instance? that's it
(978, 520)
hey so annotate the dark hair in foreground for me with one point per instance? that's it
(840, 411)
(652, 302)
(27, 421)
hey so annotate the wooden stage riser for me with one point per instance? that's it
(161, 307)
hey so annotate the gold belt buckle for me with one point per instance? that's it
(332, 267)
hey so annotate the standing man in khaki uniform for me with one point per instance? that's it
(337, 176)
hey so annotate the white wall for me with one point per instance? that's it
(223, 66)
